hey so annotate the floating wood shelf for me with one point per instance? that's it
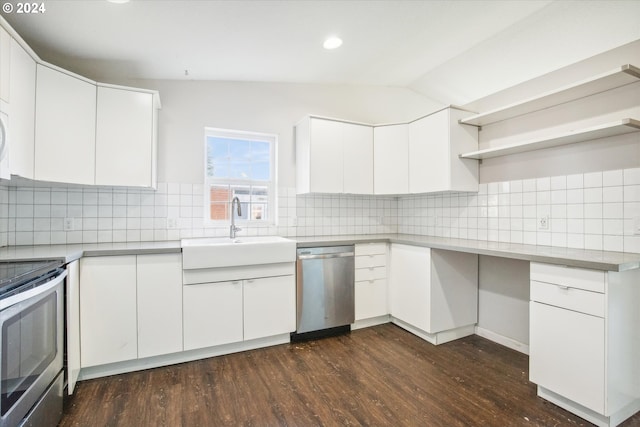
(620, 76)
(618, 127)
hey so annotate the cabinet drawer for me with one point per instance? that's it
(371, 249)
(590, 280)
(366, 261)
(587, 302)
(372, 273)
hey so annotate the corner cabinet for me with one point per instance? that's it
(435, 143)
(584, 341)
(23, 110)
(391, 159)
(433, 293)
(65, 130)
(333, 157)
(125, 137)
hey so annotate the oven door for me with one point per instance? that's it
(31, 348)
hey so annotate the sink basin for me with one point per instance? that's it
(244, 250)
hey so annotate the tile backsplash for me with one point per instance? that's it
(598, 210)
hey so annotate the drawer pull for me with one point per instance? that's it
(564, 288)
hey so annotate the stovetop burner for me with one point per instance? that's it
(16, 274)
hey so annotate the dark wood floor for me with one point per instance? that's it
(380, 376)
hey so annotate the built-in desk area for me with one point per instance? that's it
(583, 321)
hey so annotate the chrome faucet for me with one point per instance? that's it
(233, 229)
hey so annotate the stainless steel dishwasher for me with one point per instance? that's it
(325, 291)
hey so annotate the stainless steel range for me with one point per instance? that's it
(31, 343)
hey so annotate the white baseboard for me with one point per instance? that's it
(181, 357)
(502, 340)
(374, 321)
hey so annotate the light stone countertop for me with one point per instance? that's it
(583, 258)
(69, 253)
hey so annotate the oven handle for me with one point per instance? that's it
(38, 290)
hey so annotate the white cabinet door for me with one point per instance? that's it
(65, 128)
(23, 110)
(124, 138)
(357, 149)
(159, 283)
(391, 159)
(435, 143)
(108, 310)
(73, 324)
(567, 354)
(371, 299)
(326, 156)
(409, 284)
(5, 64)
(269, 306)
(429, 154)
(212, 314)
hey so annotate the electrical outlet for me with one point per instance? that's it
(172, 223)
(68, 224)
(543, 223)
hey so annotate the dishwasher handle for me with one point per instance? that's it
(326, 256)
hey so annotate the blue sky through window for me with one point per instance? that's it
(238, 159)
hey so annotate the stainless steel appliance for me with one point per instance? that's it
(325, 291)
(31, 343)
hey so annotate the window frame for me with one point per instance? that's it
(271, 185)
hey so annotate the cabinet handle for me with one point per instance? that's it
(235, 282)
(250, 280)
(371, 280)
(564, 288)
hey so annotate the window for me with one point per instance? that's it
(240, 164)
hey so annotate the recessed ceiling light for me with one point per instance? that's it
(332, 43)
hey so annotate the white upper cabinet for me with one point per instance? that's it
(357, 151)
(5, 64)
(391, 159)
(65, 128)
(334, 157)
(125, 138)
(23, 110)
(435, 143)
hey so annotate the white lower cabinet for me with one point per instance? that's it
(584, 340)
(159, 286)
(212, 314)
(577, 371)
(269, 306)
(130, 307)
(227, 312)
(371, 281)
(108, 330)
(434, 293)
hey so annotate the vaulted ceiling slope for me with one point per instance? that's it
(450, 51)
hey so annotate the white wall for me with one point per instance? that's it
(189, 106)
(613, 153)
(560, 34)
(503, 298)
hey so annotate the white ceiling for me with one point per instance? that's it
(389, 43)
